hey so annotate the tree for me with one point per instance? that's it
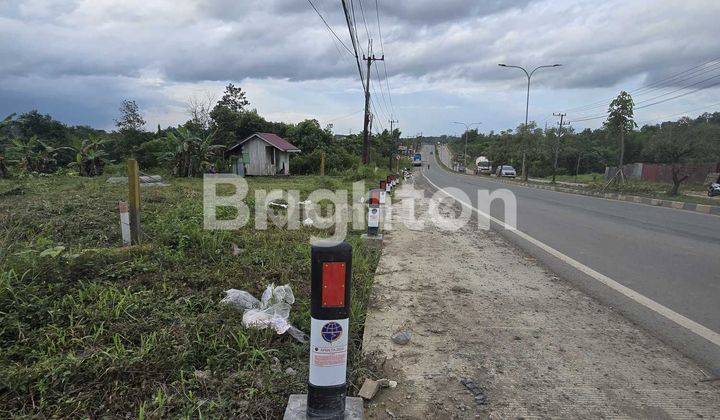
(199, 110)
(42, 126)
(130, 117)
(620, 121)
(233, 99)
(676, 143)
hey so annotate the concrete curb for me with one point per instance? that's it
(680, 205)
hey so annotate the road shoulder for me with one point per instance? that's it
(480, 309)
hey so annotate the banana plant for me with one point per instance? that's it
(89, 156)
(33, 155)
(191, 154)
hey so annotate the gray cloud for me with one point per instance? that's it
(131, 47)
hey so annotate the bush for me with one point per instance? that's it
(337, 161)
(643, 188)
(147, 153)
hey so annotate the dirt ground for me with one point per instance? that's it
(533, 346)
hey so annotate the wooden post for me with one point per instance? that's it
(322, 163)
(134, 200)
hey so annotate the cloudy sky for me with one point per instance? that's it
(77, 59)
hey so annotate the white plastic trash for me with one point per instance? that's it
(271, 311)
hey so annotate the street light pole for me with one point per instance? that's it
(527, 108)
(467, 128)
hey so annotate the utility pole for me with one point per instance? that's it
(366, 132)
(557, 142)
(393, 146)
(391, 124)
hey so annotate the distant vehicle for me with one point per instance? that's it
(505, 171)
(417, 159)
(483, 166)
(714, 190)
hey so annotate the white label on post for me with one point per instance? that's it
(387, 187)
(373, 217)
(328, 351)
(382, 197)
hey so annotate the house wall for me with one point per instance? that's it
(283, 158)
(260, 160)
(259, 163)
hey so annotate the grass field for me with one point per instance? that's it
(90, 329)
(581, 178)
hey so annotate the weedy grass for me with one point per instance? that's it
(690, 193)
(90, 329)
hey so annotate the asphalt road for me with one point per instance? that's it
(671, 256)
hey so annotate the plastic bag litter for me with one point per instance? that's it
(271, 311)
(276, 204)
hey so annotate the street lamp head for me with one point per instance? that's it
(502, 65)
(557, 65)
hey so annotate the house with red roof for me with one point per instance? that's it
(262, 154)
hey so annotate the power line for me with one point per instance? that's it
(683, 112)
(329, 28)
(654, 103)
(384, 102)
(686, 78)
(344, 116)
(382, 50)
(655, 85)
(679, 96)
(362, 13)
(382, 93)
(689, 71)
(663, 100)
(354, 40)
(678, 90)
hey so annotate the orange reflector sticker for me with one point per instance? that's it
(333, 285)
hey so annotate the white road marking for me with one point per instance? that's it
(668, 313)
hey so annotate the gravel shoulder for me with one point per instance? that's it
(534, 346)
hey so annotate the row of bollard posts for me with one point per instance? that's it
(378, 199)
(331, 282)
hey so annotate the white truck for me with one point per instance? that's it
(483, 166)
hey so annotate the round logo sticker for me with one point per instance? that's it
(331, 331)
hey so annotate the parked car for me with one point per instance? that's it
(506, 171)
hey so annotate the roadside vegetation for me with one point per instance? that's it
(674, 143)
(90, 329)
(36, 143)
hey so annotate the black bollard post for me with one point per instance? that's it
(374, 210)
(331, 272)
